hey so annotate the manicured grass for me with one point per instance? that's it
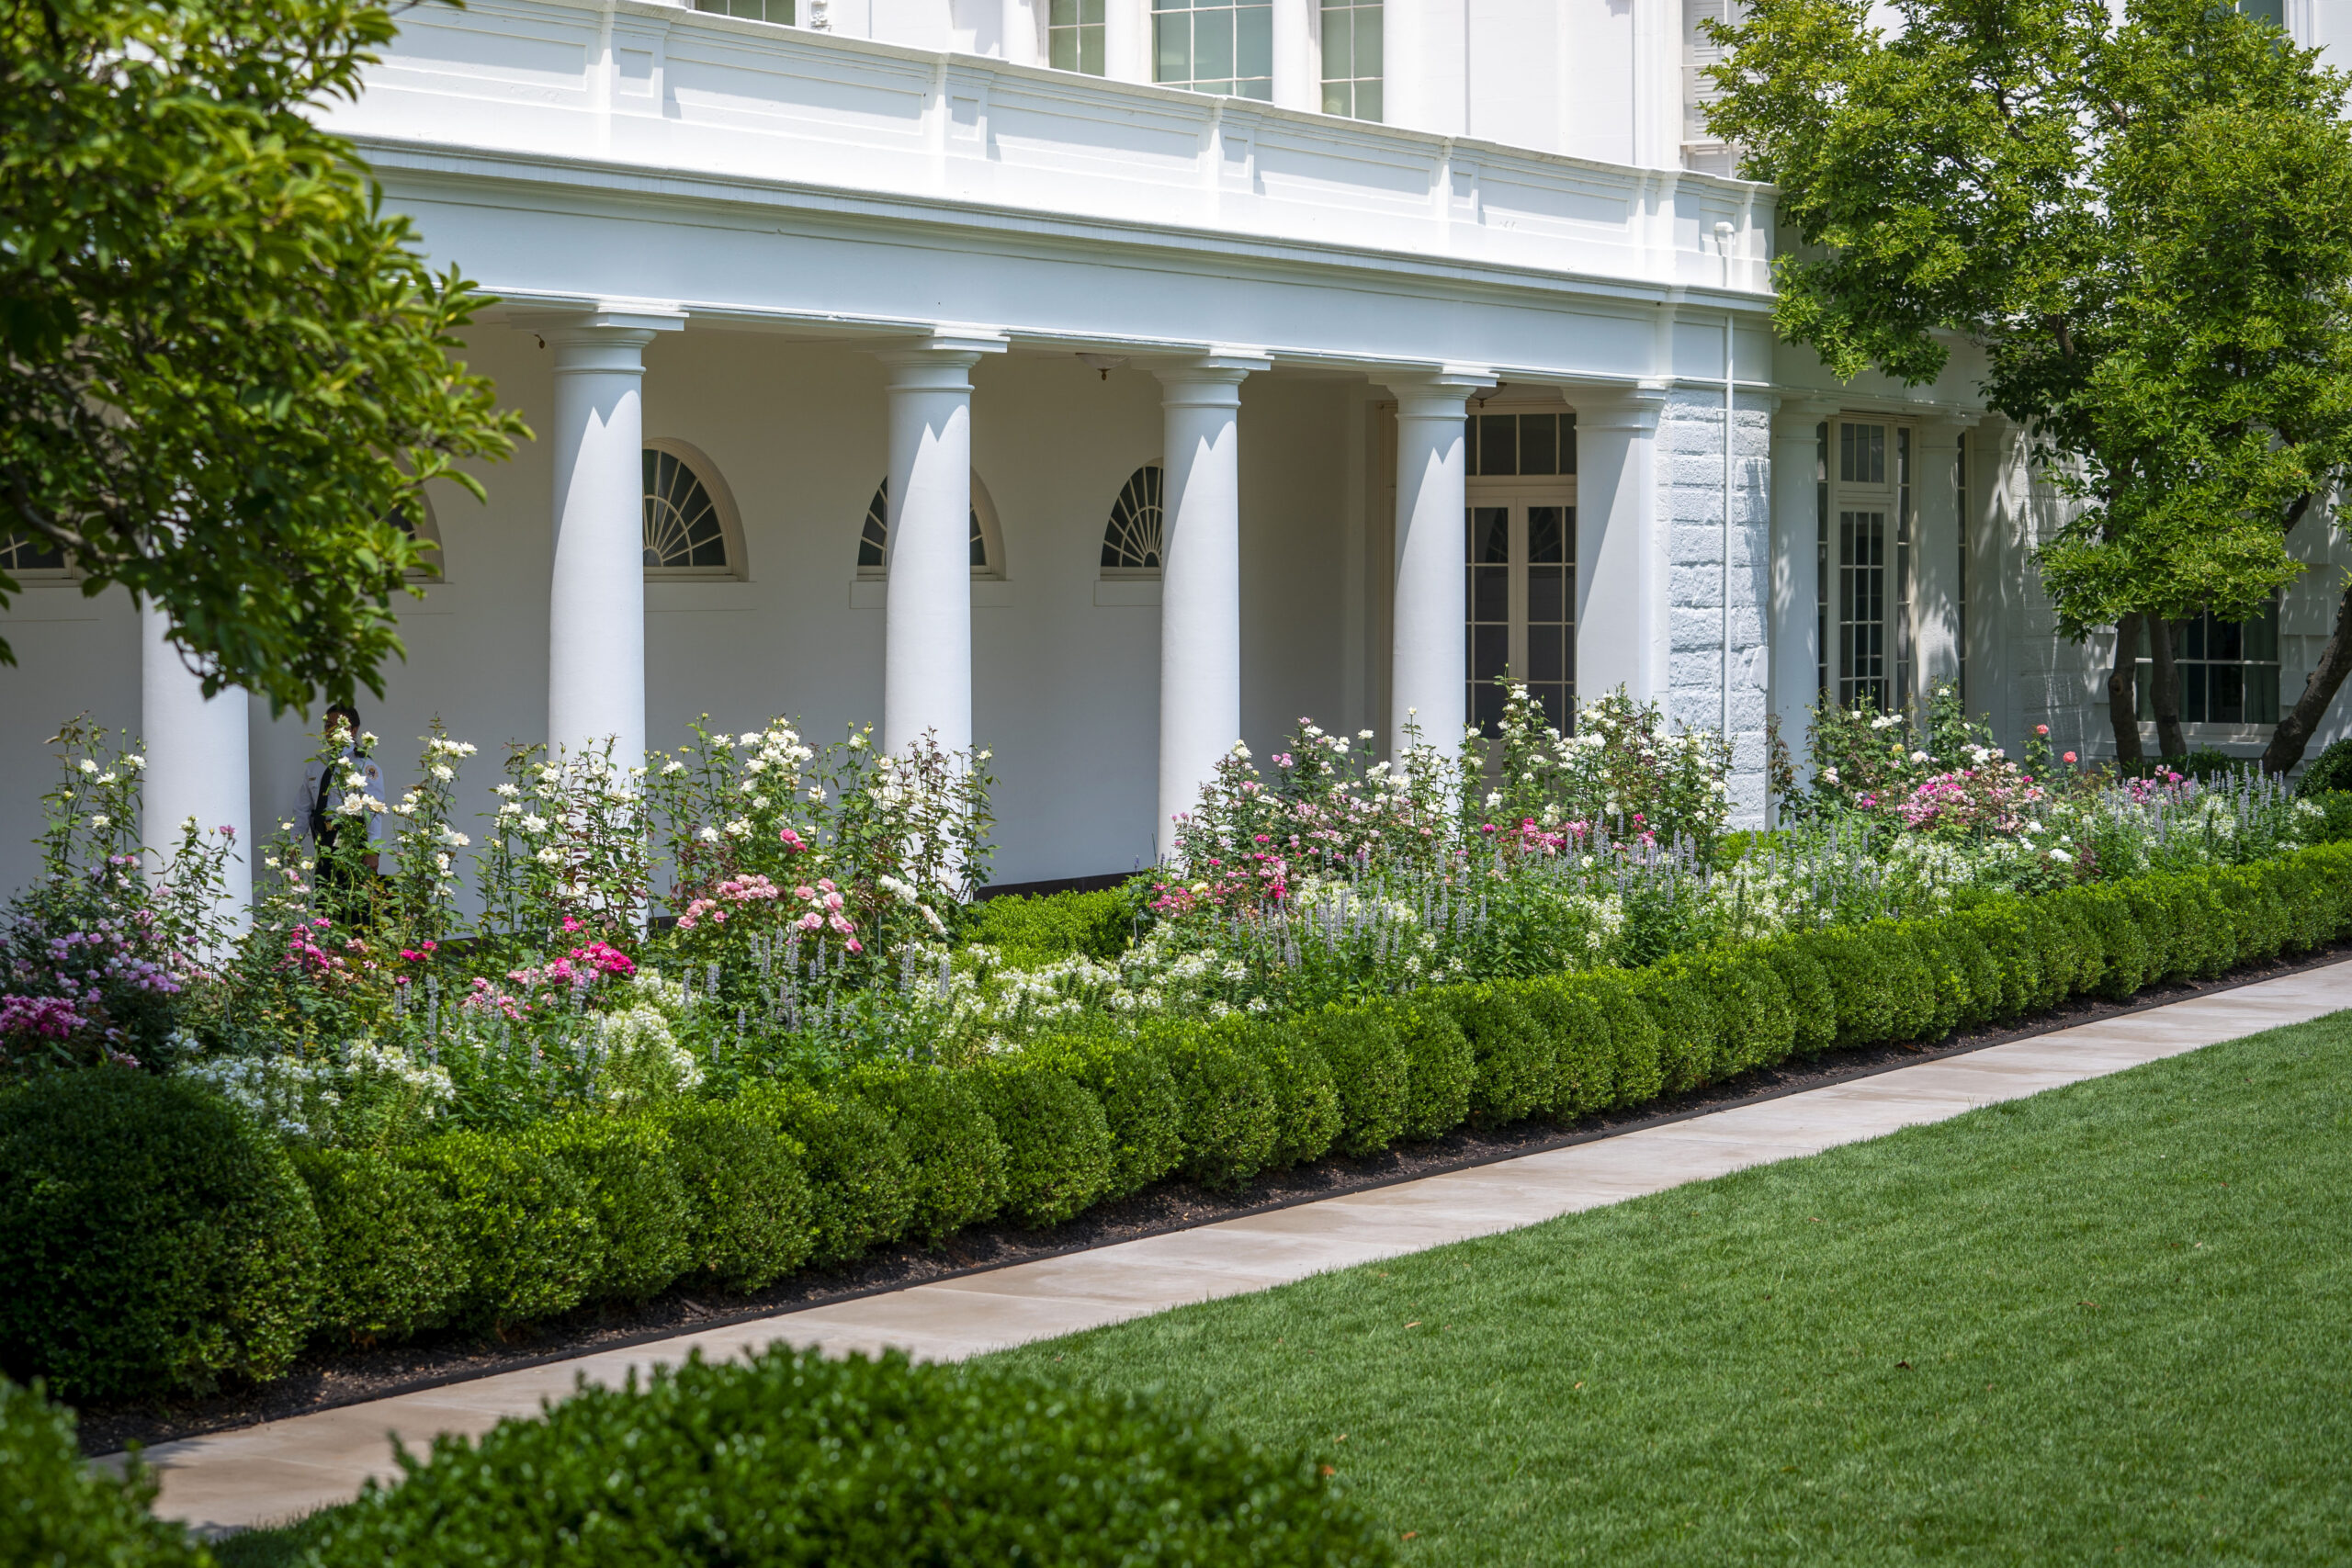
(2108, 1323)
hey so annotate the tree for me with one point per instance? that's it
(2145, 222)
(228, 372)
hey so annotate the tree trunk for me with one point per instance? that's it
(2122, 698)
(2295, 726)
(2167, 695)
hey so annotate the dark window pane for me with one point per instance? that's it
(2194, 707)
(1490, 652)
(1547, 533)
(1497, 445)
(1491, 593)
(2225, 692)
(1539, 443)
(1491, 534)
(2261, 694)
(1547, 656)
(1487, 710)
(1546, 595)
(2261, 636)
(2226, 639)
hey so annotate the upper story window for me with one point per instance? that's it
(1352, 58)
(750, 10)
(28, 556)
(1134, 538)
(1215, 46)
(691, 527)
(1504, 445)
(1074, 36)
(874, 537)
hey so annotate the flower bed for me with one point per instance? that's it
(485, 1123)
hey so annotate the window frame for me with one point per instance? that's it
(722, 499)
(1154, 502)
(1253, 88)
(983, 511)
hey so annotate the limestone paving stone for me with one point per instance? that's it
(261, 1474)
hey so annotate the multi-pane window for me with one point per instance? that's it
(750, 10)
(31, 552)
(1352, 62)
(1074, 36)
(1519, 618)
(1821, 559)
(2227, 670)
(683, 534)
(1505, 446)
(1864, 555)
(1961, 597)
(1215, 46)
(1134, 540)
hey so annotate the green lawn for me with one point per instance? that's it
(2108, 1323)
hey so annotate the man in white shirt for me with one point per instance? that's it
(325, 789)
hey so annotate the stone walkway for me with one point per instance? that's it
(268, 1473)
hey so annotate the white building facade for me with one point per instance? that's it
(1100, 381)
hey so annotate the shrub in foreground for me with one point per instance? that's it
(392, 1258)
(153, 1239)
(57, 1512)
(790, 1459)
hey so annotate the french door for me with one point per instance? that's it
(1520, 620)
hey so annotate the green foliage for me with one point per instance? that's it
(1439, 1068)
(1370, 1075)
(1307, 1095)
(2330, 772)
(1584, 1062)
(59, 1512)
(790, 1459)
(1057, 1145)
(1032, 931)
(750, 1217)
(228, 370)
(958, 1158)
(633, 1190)
(2143, 218)
(1638, 1045)
(1812, 1000)
(527, 1222)
(391, 1259)
(1232, 1118)
(1515, 1063)
(1133, 1080)
(152, 1240)
(1684, 1012)
(860, 1181)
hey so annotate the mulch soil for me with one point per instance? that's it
(326, 1377)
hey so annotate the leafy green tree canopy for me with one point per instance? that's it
(228, 371)
(2144, 221)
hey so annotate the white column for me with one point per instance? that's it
(1428, 667)
(1796, 578)
(1298, 62)
(1935, 557)
(1022, 44)
(1620, 547)
(1126, 40)
(1199, 589)
(927, 614)
(197, 766)
(596, 586)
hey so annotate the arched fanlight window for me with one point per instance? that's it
(691, 526)
(1134, 538)
(416, 520)
(874, 537)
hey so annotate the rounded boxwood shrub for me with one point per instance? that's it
(1136, 1087)
(1812, 1002)
(1057, 1141)
(861, 1184)
(1307, 1095)
(153, 1238)
(528, 1239)
(391, 1262)
(1947, 975)
(1439, 1068)
(1636, 1047)
(1907, 1000)
(1983, 975)
(750, 1217)
(59, 1512)
(1684, 1013)
(1032, 931)
(1584, 1069)
(1231, 1118)
(635, 1194)
(1515, 1065)
(790, 1459)
(1857, 981)
(1369, 1075)
(2002, 932)
(2123, 949)
(957, 1159)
